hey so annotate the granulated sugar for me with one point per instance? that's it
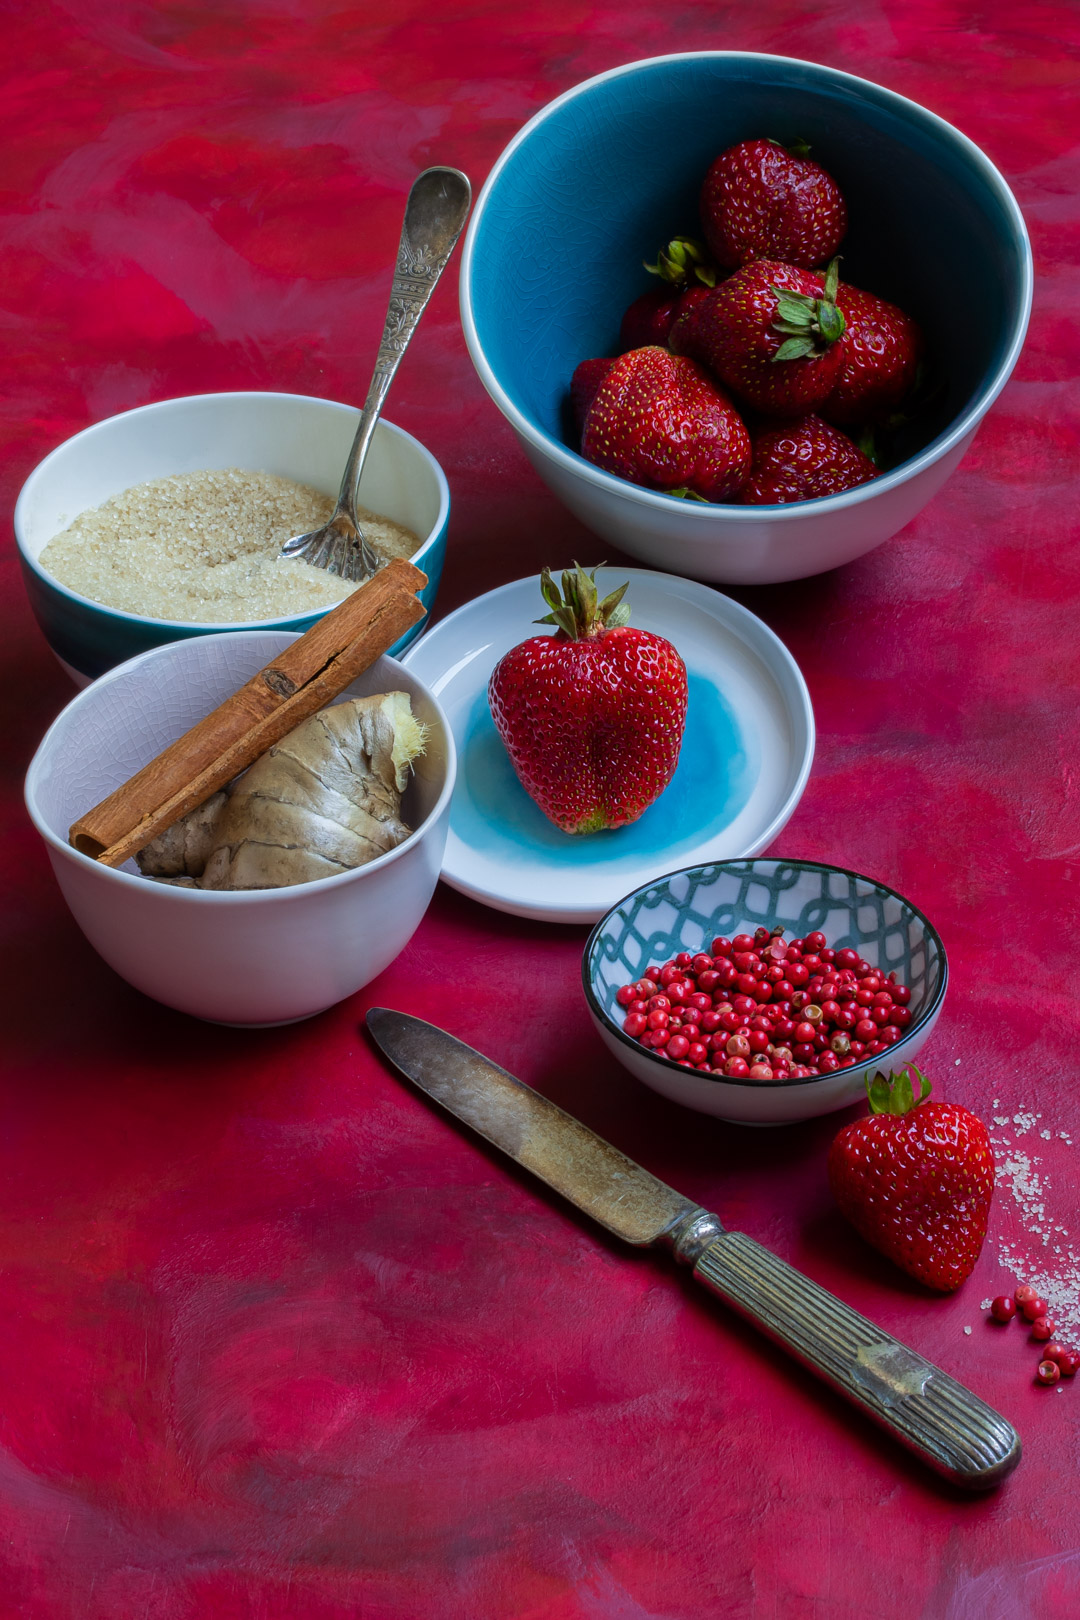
(1050, 1257)
(202, 547)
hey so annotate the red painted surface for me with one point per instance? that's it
(278, 1341)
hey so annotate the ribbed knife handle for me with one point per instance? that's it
(929, 1412)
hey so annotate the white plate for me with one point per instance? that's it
(745, 757)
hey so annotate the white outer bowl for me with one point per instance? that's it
(740, 545)
(584, 190)
(268, 957)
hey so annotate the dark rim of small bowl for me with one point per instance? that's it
(733, 1080)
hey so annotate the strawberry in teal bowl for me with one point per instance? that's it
(581, 199)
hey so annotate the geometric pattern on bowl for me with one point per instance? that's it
(685, 910)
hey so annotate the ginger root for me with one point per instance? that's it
(323, 800)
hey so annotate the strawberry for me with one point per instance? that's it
(770, 334)
(659, 420)
(880, 351)
(649, 319)
(802, 460)
(583, 385)
(592, 716)
(685, 271)
(916, 1180)
(761, 200)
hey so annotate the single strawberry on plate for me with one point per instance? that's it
(685, 274)
(761, 200)
(659, 420)
(802, 461)
(880, 350)
(915, 1179)
(769, 333)
(593, 715)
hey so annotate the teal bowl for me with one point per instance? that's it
(600, 178)
(292, 435)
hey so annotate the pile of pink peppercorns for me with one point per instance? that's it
(1056, 1360)
(759, 1008)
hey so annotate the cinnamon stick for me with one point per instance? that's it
(303, 678)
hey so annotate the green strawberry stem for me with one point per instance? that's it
(896, 1095)
(867, 443)
(797, 148)
(809, 324)
(577, 610)
(682, 261)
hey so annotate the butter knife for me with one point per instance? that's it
(931, 1414)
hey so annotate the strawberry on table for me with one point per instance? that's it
(802, 461)
(659, 420)
(916, 1180)
(769, 333)
(592, 716)
(761, 200)
(880, 350)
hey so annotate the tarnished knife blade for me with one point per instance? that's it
(616, 1192)
(937, 1418)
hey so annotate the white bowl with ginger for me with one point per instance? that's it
(164, 522)
(251, 955)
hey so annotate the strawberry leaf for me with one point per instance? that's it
(684, 260)
(587, 598)
(830, 322)
(797, 307)
(896, 1094)
(610, 603)
(794, 349)
(550, 592)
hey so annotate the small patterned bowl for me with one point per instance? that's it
(683, 911)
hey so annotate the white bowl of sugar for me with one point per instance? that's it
(225, 468)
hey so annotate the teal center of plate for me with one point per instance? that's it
(717, 767)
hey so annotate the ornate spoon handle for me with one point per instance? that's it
(435, 215)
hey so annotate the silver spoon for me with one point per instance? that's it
(434, 216)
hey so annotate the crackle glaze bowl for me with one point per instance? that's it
(685, 910)
(270, 956)
(600, 178)
(293, 435)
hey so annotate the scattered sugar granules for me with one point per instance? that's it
(1055, 1271)
(202, 547)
